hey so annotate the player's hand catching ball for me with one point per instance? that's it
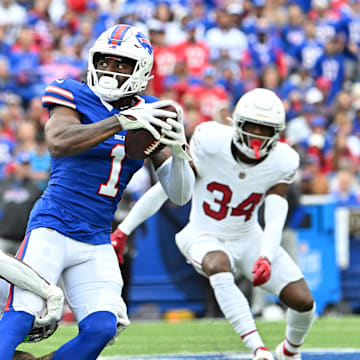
(261, 271)
(118, 241)
(146, 116)
(175, 138)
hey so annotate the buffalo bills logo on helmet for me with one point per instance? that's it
(118, 35)
(144, 42)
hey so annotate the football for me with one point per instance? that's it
(140, 143)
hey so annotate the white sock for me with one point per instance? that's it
(235, 308)
(298, 325)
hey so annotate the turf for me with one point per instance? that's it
(210, 335)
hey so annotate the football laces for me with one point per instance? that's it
(152, 147)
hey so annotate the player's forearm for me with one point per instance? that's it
(21, 275)
(177, 179)
(145, 207)
(275, 212)
(73, 139)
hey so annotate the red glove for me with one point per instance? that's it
(118, 241)
(261, 271)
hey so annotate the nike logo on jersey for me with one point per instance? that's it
(119, 137)
(59, 81)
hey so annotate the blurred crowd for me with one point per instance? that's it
(207, 53)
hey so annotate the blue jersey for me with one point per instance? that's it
(333, 68)
(308, 52)
(84, 190)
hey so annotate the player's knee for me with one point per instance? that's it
(99, 326)
(305, 303)
(216, 262)
(297, 296)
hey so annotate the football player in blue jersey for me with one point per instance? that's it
(68, 233)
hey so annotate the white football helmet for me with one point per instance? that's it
(263, 107)
(121, 41)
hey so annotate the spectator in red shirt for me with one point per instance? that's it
(164, 56)
(180, 81)
(208, 95)
(193, 52)
(343, 152)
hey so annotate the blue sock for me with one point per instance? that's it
(14, 326)
(94, 333)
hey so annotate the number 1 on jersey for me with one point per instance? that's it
(110, 189)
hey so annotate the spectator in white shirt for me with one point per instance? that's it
(225, 41)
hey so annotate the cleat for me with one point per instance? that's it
(262, 353)
(280, 353)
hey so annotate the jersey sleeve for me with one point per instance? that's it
(58, 93)
(149, 98)
(198, 149)
(205, 142)
(289, 164)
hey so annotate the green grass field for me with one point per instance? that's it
(210, 335)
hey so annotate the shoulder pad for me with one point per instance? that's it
(209, 136)
(59, 92)
(287, 160)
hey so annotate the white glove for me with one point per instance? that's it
(147, 115)
(175, 138)
(122, 321)
(54, 304)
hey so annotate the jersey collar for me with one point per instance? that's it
(109, 107)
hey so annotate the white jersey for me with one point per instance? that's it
(227, 193)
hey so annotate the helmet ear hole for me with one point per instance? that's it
(144, 62)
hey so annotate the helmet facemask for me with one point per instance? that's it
(252, 145)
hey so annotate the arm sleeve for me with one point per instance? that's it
(177, 179)
(23, 276)
(275, 212)
(145, 207)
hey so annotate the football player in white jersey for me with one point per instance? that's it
(237, 169)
